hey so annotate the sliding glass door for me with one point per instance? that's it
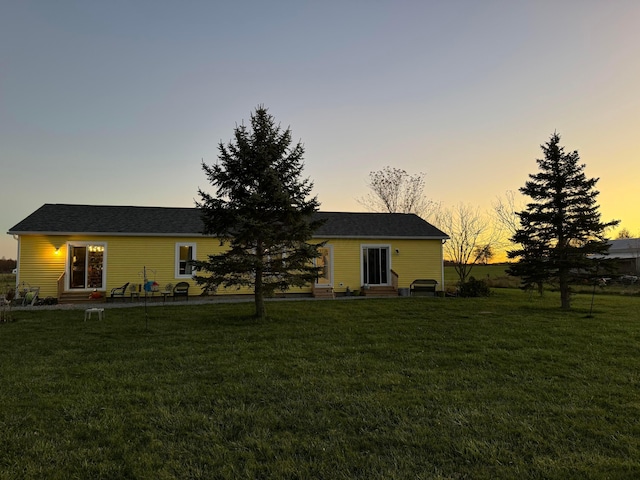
(86, 266)
(375, 265)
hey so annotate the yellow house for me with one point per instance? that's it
(69, 251)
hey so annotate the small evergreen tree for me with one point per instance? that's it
(560, 227)
(262, 209)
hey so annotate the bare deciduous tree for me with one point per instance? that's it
(624, 233)
(471, 234)
(393, 190)
(484, 253)
(506, 220)
(506, 212)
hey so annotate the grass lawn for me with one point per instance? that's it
(502, 387)
(491, 272)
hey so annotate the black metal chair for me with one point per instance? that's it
(181, 290)
(119, 292)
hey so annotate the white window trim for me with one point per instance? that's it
(177, 273)
(389, 266)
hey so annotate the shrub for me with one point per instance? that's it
(474, 288)
(10, 295)
(504, 281)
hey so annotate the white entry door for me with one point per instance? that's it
(325, 263)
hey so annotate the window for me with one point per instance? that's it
(185, 252)
(375, 264)
(325, 263)
(275, 262)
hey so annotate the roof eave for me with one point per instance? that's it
(143, 234)
(110, 234)
(390, 237)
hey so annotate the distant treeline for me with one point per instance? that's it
(449, 263)
(7, 266)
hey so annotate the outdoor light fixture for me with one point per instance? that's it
(397, 251)
(57, 252)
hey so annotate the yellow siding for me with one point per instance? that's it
(126, 257)
(416, 259)
(40, 266)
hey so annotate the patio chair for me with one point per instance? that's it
(26, 294)
(181, 290)
(32, 296)
(119, 292)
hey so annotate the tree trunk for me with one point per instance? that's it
(259, 295)
(565, 290)
(260, 310)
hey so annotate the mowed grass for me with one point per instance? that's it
(491, 272)
(502, 387)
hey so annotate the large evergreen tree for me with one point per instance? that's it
(262, 209)
(560, 227)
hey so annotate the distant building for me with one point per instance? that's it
(627, 253)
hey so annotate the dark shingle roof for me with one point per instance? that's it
(63, 218)
(387, 225)
(58, 219)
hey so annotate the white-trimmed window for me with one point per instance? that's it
(275, 262)
(185, 252)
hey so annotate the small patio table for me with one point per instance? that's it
(89, 311)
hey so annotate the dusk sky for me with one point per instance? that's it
(117, 103)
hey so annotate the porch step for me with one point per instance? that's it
(383, 291)
(323, 292)
(79, 297)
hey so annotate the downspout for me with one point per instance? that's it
(444, 240)
(17, 238)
